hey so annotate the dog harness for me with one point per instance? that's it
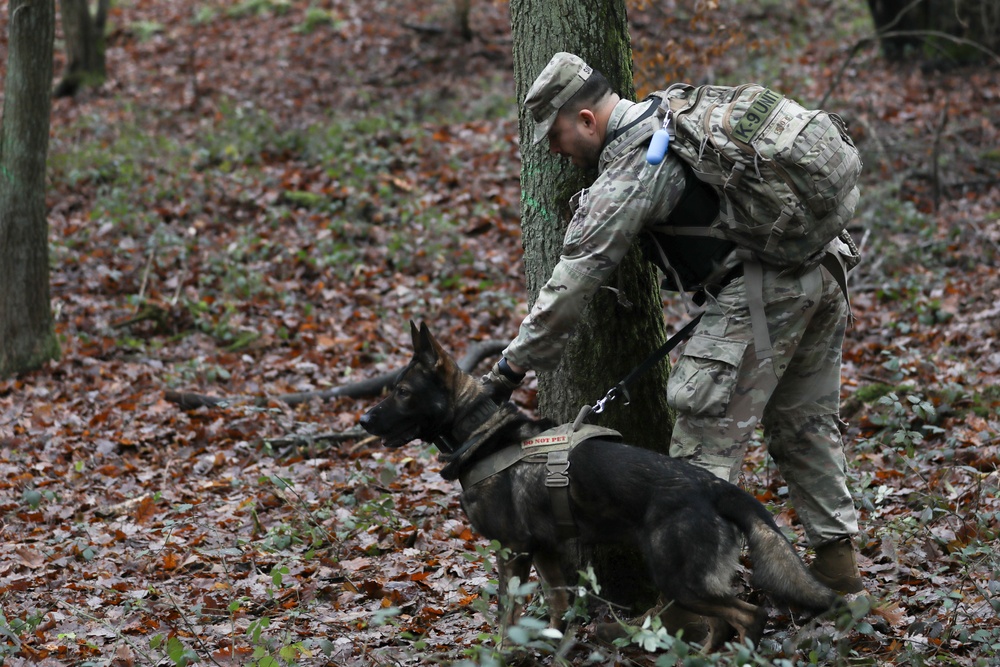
(551, 448)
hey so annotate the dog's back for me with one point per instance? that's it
(687, 520)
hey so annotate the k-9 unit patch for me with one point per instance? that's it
(756, 115)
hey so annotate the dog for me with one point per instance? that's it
(688, 524)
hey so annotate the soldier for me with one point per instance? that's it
(719, 387)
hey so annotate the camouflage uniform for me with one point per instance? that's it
(628, 195)
(722, 393)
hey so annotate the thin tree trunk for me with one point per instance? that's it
(612, 339)
(84, 36)
(462, 9)
(27, 337)
(916, 29)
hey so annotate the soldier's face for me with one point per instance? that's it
(576, 136)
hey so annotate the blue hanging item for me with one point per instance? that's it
(658, 147)
(660, 142)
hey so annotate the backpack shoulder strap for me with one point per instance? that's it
(634, 133)
(619, 131)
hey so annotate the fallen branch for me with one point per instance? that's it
(367, 387)
(310, 439)
(425, 29)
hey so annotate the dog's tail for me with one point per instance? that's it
(777, 569)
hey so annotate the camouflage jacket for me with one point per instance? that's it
(628, 196)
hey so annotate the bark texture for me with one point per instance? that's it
(27, 336)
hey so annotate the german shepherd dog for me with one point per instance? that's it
(687, 523)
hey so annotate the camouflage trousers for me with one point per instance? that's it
(722, 392)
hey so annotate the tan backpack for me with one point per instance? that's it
(786, 176)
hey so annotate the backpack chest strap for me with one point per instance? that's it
(630, 135)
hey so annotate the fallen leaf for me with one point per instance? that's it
(30, 557)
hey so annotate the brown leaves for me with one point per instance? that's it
(134, 531)
(30, 557)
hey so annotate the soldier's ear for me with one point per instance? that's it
(587, 120)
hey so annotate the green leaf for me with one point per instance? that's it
(32, 498)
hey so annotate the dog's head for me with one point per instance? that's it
(423, 400)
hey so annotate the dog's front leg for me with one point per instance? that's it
(509, 565)
(548, 565)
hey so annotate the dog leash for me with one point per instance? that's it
(621, 389)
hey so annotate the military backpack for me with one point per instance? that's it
(786, 176)
(782, 179)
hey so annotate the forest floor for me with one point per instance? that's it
(259, 198)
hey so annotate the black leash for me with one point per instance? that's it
(622, 387)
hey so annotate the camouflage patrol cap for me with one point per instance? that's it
(562, 77)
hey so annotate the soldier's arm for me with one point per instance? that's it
(625, 198)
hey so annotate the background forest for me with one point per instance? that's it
(259, 197)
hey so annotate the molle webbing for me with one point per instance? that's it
(534, 450)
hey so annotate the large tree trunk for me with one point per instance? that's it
(612, 339)
(917, 29)
(27, 337)
(84, 35)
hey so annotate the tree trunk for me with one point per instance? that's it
(462, 9)
(911, 29)
(611, 339)
(27, 337)
(84, 45)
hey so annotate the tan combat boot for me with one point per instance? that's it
(836, 565)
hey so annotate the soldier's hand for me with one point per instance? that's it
(501, 381)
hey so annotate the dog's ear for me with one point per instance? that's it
(430, 352)
(415, 335)
(425, 348)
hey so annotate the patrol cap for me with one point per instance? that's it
(562, 77)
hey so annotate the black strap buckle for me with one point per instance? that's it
(622, 387)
